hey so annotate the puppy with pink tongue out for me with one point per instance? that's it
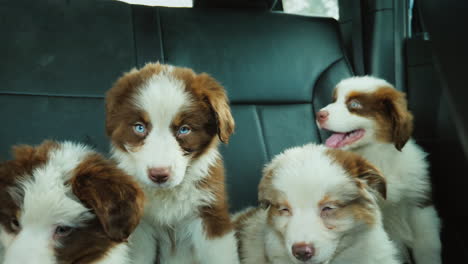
(370, 117)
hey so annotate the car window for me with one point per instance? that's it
(325, 8)
(171, 3)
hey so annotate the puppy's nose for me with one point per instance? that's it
(322, 116)
(159, 175)
(303, 251)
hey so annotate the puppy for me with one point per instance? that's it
(63, 203)
(370, 117)
(165, 124)
(318, 206)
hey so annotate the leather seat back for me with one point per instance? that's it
(278, 69)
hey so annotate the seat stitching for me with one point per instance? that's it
(161, 42)
(262, 131)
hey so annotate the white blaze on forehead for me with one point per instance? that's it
(365, 84)
(305, 175)
(162, 97)
(46, 195)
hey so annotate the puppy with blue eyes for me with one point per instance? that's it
(318, 206)
(62, 203)
(165, 124)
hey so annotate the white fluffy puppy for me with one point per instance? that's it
(319, 206)
(370, 117)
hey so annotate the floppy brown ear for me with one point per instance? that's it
(400, 117)
(362, 170)
(216, 96)
(374, 179)
(112, 195)
(33, 155)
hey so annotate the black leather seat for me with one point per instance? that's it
(278, 70)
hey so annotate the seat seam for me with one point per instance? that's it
(52, 95)
(331, 65)
(262, 131)
(161, 42)
(132, 10)
(270, 103)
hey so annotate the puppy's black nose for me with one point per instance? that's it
(159, 175)
(303, 251)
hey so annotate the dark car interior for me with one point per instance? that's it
(60, 57)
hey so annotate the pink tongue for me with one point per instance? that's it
(334, 140)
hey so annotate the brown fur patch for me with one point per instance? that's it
(207, 87)
(114, 198)
(85, 244)
(121, 113)
(359, 207)
(359, 210)
(209, 94)
(365, 176)
(26, 159)
(359, 168)
(273, 210)
(203, 129)
(388, 107)
(215, 216)
(266, 192)
(269, 197)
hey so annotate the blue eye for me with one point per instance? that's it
(184, 130)
(355, 104)
(139, 128)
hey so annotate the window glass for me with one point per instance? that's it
(325, 8)
(171, 3)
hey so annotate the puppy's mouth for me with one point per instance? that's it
(340, 139)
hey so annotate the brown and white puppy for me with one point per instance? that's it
(319, 206)
(62, 203)
(370, 117)
(165, 124)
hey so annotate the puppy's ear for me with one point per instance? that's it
(216, 96)
(400, 117)
(374, 179)
(27, 157)
(33, 155)
(112, 195)
(363, 172)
